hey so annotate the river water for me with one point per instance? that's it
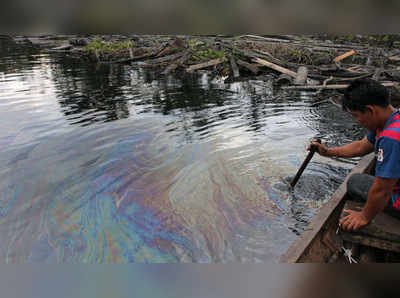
(115, 163)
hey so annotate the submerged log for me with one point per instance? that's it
(283, 79)
(337, 86)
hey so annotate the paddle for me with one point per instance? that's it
(305, 163)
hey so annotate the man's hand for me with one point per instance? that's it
(353, 221)
(321, 149)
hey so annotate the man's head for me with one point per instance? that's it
(369, 102)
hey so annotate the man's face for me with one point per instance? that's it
(365, 119)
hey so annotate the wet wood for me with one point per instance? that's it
(285, 54)
(206, 64)
(266, 38)
(373, 242)
(377, 74)
(283, 79)
(136, 58)
(234, 66)
(344, 56)
(336, 86)
(252, 67)
(165, 58)
(301, 77)
(170, 68)
(275, 67)
(394, 58)
(62, 48)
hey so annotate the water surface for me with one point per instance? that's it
(114, 163)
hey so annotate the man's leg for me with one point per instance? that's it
(358, 187)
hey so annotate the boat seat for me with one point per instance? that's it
(382, 232)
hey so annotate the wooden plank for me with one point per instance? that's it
(301, 77)
(372, 242)
(383, 226)
(336, 86)
(206, 64)
(305, 240)
(344, 56)
(275, 67)
(252, 67)
(234, 66)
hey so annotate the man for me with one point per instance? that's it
(369, 103)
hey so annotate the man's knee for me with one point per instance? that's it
(358, 186)
(354, 182)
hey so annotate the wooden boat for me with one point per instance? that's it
(323, 242)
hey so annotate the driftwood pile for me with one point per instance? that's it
(297, 62)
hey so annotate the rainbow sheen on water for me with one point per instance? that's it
(116, 164)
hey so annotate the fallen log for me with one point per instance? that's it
(177, 45)
(252, 67)
(301, 76)
(177, 63)
(264, 53)
(283, 79)
(206, 64)
(62, 48)
(394, 58)
(235, 68)
(165, 58)
(337, 86)
(344, 56)
(141, 57)
(265, 38)
(394, 74)
(255, 53)
(339, 80)
(377, 74)
(275, 67)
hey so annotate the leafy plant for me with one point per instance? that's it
(98, 45)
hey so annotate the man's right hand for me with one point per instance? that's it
(321, 149)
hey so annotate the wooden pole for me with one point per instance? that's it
(304, 165)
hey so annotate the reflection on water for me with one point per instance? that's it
(113, 163)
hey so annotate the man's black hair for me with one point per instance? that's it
(363, 92)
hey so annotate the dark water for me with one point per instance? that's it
(103, 163)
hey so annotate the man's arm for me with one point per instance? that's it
(356, 148)
(378, 197)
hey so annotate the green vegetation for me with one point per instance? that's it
(202, 52)
(207, 54)
(98, 45)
